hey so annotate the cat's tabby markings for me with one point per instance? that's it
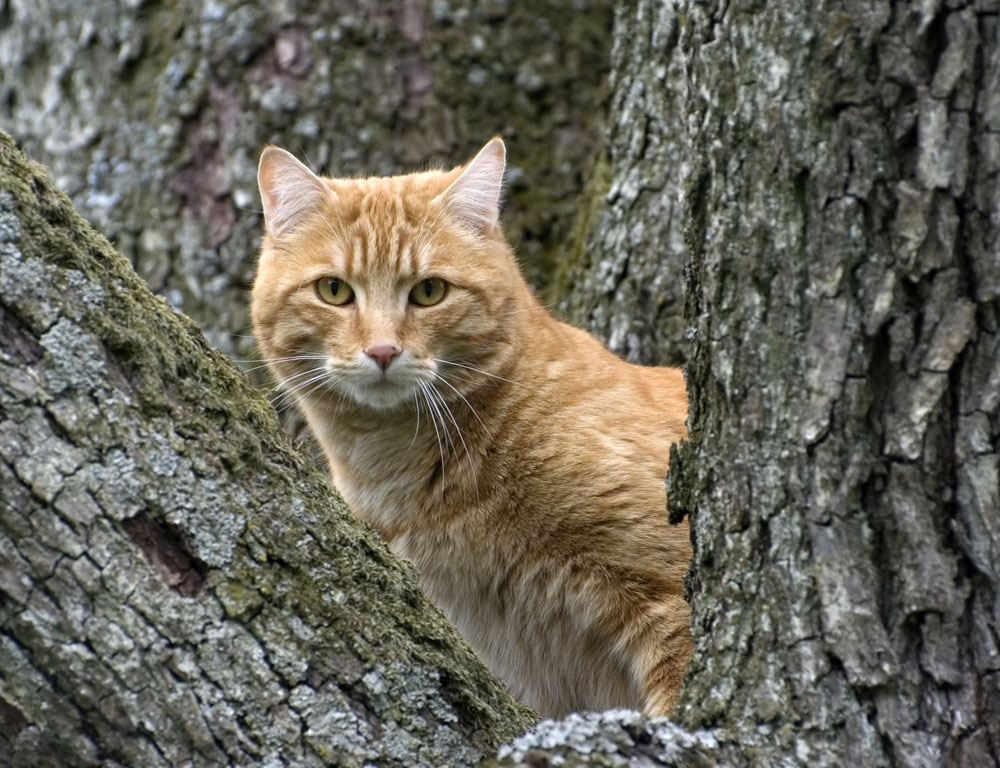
(512, 458)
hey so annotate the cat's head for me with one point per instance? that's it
(375, 288)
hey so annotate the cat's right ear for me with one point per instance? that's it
(288, 190)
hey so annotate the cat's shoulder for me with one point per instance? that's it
(663, 378)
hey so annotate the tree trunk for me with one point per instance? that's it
(844, 225)
(622, 277)
(152, 115)
(177, 586)
(835, 170)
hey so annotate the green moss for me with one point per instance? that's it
(568, 271)
(237, 598)
(203, 450)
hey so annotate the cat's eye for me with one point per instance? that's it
(334, 291)
(428, 291)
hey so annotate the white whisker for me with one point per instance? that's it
(283, 383)
(437, 434)
(266, 360)
(475, 370)
(446, 411)
(440, 377)
(416, 429)
(317, 385)
(458, 429)
(432, 400)
(287, 397)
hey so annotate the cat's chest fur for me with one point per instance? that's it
(465, 565)
(486, 530)
(512, 458)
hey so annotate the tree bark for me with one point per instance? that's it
(622, 277)
(152, 115)
(177, 585)
(834, 167)
(842, 475)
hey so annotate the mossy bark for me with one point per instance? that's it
(152, 115)
(177, 585)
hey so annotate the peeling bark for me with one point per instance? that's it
(177, 586)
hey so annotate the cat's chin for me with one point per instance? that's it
(381, 396)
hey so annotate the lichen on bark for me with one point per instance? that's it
(178, 585)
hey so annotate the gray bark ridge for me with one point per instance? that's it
(177, 585)
(623, 280)
(843, 289)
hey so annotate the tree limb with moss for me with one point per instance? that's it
(177, 584)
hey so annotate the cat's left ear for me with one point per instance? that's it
(288, 190)
(474, 197)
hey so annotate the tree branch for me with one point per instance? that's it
(178, 585)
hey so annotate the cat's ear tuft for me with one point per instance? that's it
(474, 197)
(288, 190)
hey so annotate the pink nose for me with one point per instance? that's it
(383, 354)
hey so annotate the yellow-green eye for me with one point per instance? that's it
(334, 291)
(428, 291)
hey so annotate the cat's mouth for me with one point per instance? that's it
(383, 389)
(382, 393)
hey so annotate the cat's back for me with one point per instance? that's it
(586, 451)
(589, 425)
(590, 389)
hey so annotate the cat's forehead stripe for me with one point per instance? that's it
(357, 254)
(407, 256)
(365, 248)
(384, 224)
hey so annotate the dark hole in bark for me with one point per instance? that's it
(17, 341)
(167, 554)
(12, 720)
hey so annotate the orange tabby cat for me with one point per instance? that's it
(511, 457)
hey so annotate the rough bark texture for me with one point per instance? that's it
(623, 277)
(152, 115)
(177, 586)
(835, 168)
(617, 738)
(844, 288)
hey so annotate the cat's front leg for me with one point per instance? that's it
(661, 653)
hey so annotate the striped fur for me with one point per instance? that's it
(511, 457)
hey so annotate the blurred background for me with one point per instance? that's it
(151, 116)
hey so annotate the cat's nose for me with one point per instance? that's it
(383, 354)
